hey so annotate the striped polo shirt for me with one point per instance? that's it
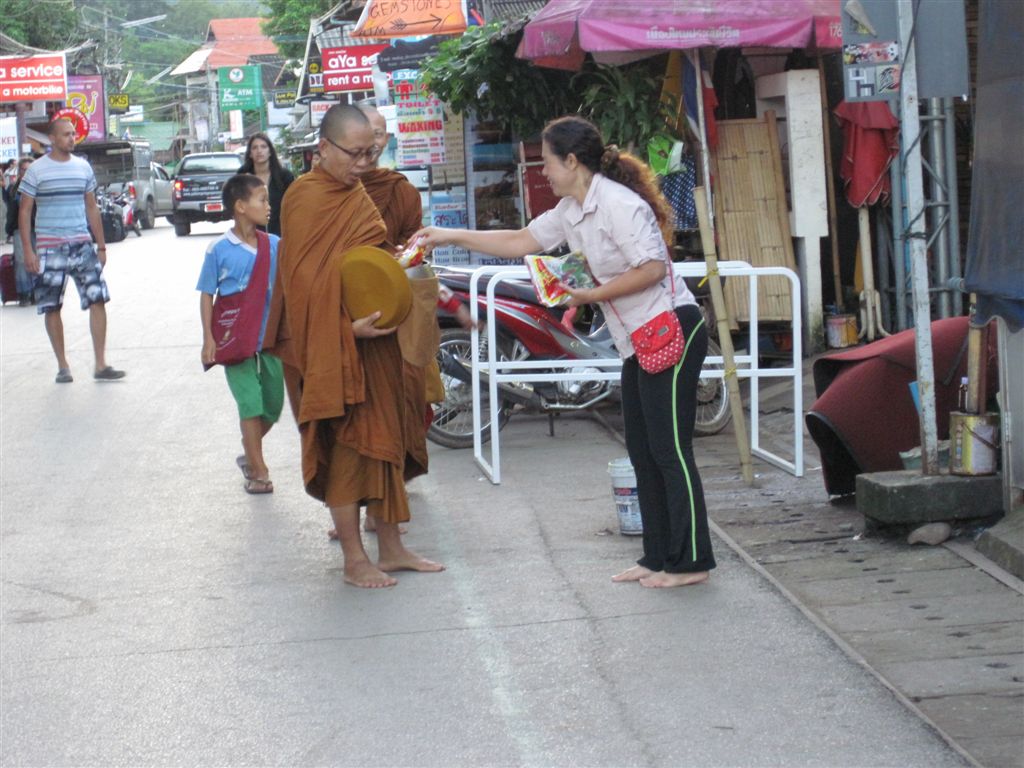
(59, 191)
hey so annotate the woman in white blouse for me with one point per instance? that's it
(611, 211)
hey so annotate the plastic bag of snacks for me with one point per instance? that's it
(551, 274)
(412, 256)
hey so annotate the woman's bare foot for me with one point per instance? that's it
(635, 573)
(662, 579)
(409, 561)
(365, 574)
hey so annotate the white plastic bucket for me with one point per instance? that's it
(624, 492)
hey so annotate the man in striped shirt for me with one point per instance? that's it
(61, 189)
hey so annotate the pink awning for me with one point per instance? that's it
(607, 27)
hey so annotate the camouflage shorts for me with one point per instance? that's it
(76, 260)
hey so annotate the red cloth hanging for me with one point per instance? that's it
(870, 142)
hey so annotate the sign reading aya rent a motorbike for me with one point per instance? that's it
(240, 88)
(33, 78)
(349, 68)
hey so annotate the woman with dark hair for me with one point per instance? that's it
(612, 212)
(261, 160)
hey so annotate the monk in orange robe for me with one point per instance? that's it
(361, 431)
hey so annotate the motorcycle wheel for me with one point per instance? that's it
(452, 425)
(116, 229)
(713, 411)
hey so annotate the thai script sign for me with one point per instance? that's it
(420, 122)
(33, 78)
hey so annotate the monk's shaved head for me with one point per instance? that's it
(379, 125)
(337, 120)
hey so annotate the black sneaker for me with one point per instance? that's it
(108, 374)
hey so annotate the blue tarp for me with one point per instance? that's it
(995, 246)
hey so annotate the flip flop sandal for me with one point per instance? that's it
(255, 486)
(244, 466)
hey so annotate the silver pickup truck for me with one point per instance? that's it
(120, 164)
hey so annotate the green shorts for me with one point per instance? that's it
(258, 387)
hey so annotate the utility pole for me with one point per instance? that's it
(910, 125)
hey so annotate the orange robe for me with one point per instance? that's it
(398, 202)
(361, 437)
(402, 210)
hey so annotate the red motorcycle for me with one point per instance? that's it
(528, 330)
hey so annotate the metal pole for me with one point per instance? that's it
(899, 256)
(910, 129)
(939, 196)
(949, 127)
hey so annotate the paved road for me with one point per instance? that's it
(154, 614)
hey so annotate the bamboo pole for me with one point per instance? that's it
(707, 240)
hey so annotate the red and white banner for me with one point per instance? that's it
(349, 68)
(33, 78)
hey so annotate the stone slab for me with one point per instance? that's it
(907, 497)
(976, 715)
(926, 678)
(878, 587)
(1003, 543)
(946, 611)
(938, 642)
(889, 561)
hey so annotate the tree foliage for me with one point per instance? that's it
(54, 28)
(288, 23)
(479, 72)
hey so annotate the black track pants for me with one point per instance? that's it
(659, 411)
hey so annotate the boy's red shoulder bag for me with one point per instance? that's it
(237, 318)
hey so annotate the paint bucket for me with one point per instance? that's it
(841, 331)
(973, 441)
(624, 492)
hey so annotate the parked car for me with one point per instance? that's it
(197, 186)
(127, 167)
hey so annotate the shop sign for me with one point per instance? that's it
(8, 138)
(283, 99)
(350, 68)
(407, 18)
(420, 123)
(317, 110)
(76, 118)
(33, 78)
(403, 54)
(118, 103)
(314, 77)
(85, 93)
(240, 88)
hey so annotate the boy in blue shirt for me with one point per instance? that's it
(257, 384)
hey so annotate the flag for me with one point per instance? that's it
(690, 101)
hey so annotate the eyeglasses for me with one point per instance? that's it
(369, 155)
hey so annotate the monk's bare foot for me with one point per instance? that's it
(409, 561)
(333, 534)
(662, 579)
(370, 525)
(635, 573)
(365, 574)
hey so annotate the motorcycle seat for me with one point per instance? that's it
(519, 290)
